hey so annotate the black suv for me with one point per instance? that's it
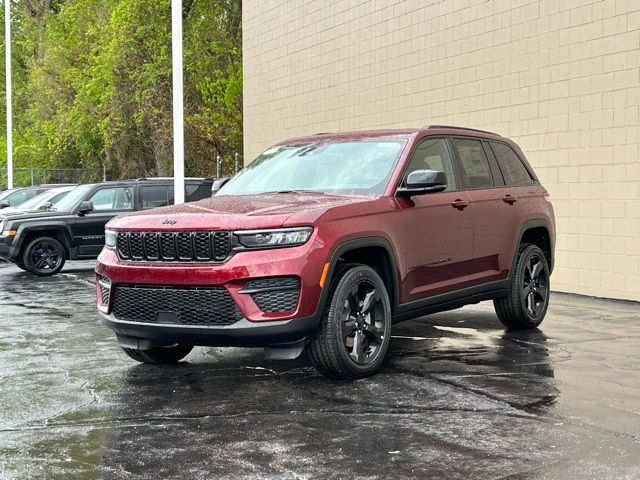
(41, 242)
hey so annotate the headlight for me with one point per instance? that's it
(110, 238)
(281, 237)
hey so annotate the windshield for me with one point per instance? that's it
(40, 200)
(358, 167)
(72, 198)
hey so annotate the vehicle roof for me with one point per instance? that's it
(391, 133)
(142, 181)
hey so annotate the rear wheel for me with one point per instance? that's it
(44, 256)
(526, 305)
(356, 327)
(159, 355)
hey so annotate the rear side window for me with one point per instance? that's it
(154, 196)
(197, 191)
(513, 171)
(475, 171)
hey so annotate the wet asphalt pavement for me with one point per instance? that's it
(458, 397)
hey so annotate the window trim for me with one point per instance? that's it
(456, 173)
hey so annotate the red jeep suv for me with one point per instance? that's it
(324, 241)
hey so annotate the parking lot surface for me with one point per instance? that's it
(458, 397)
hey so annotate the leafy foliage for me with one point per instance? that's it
(92, 84)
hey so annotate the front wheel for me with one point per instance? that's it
(159, 355)
(356, 327)
(526, 305)
(44, 256)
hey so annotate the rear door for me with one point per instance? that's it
(522, 191)
(439, 230)
(492, 229)
(88, 229)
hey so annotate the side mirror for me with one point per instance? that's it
(4, 204)
(218, 184)
(46, 207)
(85, 207)
(423, 181)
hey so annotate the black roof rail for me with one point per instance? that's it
(164, 179)
(461, 128)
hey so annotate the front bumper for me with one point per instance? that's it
(254, 327)
(7, 250)
(241, 334)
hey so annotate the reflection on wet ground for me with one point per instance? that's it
(458, 398)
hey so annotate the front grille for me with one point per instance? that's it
(175, 305)
(104, 295)
(174, 246)
(276, 294)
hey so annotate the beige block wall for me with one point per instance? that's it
(562, 78)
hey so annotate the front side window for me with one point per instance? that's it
(433, 154)
(474, 165)
(356, 167)
(513, 171)
(117, 198)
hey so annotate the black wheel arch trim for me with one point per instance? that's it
(354, 244)
(528, 225)
(44, 228)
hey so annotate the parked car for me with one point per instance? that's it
(15, 197)
(325, 241)
(44, 201)
(40, 242)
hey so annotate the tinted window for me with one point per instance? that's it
(474, 166)
(198, 191)
(154, 196)
(433, 154)
(512, 169)
(117, 198)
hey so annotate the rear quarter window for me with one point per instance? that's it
(513, 171)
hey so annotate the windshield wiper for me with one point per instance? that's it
(292, 191)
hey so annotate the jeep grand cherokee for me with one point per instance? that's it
(324, 241)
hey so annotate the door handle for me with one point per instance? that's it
(510, 199)
(460, 204)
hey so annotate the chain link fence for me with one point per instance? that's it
(226, 166)
(25, 177)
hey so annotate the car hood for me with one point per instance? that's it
(29, 214)
(228, 212)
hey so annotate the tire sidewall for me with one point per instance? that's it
(338, 297)
(525, 256)
(28, 264)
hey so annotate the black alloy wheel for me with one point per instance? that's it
(356, 326)
(44, 256)
(526, 304)
(363, 322)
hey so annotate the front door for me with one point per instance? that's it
(88, 228)
(439, 230)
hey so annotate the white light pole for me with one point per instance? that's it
(7, 66)
(178, 100)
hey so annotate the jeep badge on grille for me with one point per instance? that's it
(169, 221)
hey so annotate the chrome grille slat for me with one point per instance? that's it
(174, 246)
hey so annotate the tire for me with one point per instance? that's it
(44, 256)
(159, 355)
(354, 335)
(526, 304)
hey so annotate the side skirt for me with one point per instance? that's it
(450, 301)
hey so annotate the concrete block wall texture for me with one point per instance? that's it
(560, 77)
